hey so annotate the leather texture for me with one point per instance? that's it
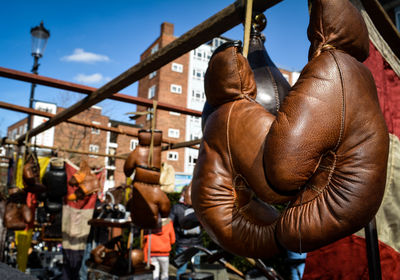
(17, 213)
(140, 155)
(137, 257)
(325, 152)
(148, 203)
(85, 180)
(55, 180)
(31, 175)
(272, 87)
(329, 141)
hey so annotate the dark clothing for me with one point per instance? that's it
(186, 225)
(72, 260)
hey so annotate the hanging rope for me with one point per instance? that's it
(247, 27)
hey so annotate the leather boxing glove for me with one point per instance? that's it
(320, 150)
(148, 202)
(329, 142)
(230, 194)
(140, 156)
(85, 180)
(31, 175)
(272, 87)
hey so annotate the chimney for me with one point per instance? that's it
(167, 28)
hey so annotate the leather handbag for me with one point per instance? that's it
(17, 213)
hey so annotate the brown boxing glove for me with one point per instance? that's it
(325, 152)
(329, 142)
(148, 204)
(140, 156)
(229, 189)
(87, 182)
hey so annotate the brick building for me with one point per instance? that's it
(76, 137)
(180, 82)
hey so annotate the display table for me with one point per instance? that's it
(109, 223)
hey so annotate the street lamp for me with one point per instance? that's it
(39, 41)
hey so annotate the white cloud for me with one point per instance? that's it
(80, 55)
(91, 79)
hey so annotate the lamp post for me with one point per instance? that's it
(39, 36)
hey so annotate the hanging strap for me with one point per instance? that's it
(247, 27)
(153, 124)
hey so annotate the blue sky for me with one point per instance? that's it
(92, 42)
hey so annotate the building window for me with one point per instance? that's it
(154, 49)
(152, 74)
(111, 160)
(198, 54)
(173, 133)
(176, 88)
(172, 156)
(195, 120)
(149, 115)
(110, 174)
(397, 15)
(195, 136)
(198, 95)
(192, 160)
(94, 129)
(176, 67)
(133, 145)
(152, 92)
(198, 74)
(93, 149)
(218, 42)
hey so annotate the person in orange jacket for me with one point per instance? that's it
(160, 248)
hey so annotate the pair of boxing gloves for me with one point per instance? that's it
(322, 156)
(148, 203)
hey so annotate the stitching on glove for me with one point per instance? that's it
(343, 101)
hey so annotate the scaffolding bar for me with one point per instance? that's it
(75, 121)
(189, 144)
(202, 33)
(11, 142)
(60, 84)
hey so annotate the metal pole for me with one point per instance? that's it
(130, 249)
(34, 70)
(148, 249)
(371, 240)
